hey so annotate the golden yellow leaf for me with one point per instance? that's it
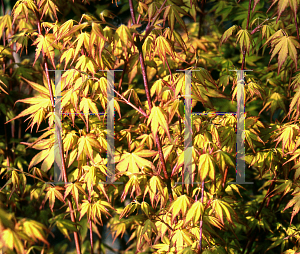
(46, 45)
(163, 47)
(158, 117)
(206, 166)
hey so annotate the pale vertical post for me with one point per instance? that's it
(240, 136)
(188, 132)
(58, 157)
(110, 127)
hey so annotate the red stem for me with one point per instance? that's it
(201, 220)
(144, 73)
(295, 17)
(247, 25)
(76, 238)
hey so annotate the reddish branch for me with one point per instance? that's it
(64, 171)
(244, 50)
(202, 14)
(144, 73)
(201, 220)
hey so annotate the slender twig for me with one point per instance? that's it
(164, 223)
(259, 26)
(64, 171)
(248, 17)
(4, 66)
(7, 150)
(170, 75)
(130, 104)
(144, 74)
(158, 13)
(121, 79)
(201, 19)
(201, 220)
(89, 198)
(150, 27)
(295, 17)
(132, 12)
(91, 236)
(247, 25)
(4, 40)
(225, 177)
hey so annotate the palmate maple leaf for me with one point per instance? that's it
(46, 45)
(39, 105)
(283, 45)
(132, 162)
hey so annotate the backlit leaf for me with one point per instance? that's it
(228, 33)
(52, 193)
(158, 117)
(46, 45)
(163, 47)
(132, 162)
(34, 230)
(181, 204)
(206, 166)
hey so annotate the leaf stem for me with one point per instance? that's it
(122, 77)
(248, 17)
(201, 220)
(295, 17)
(130, 104)
(91, 237)
(170, 75)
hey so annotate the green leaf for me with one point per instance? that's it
(6, 219)
(174, 13)
(275, 101)
(288, 136)
(244, 39)
(12, 240)
(82, 38)
(182, 238)
(85, 208)
(224, 159)
(228, 33)
(148, 228)
(123, 34)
